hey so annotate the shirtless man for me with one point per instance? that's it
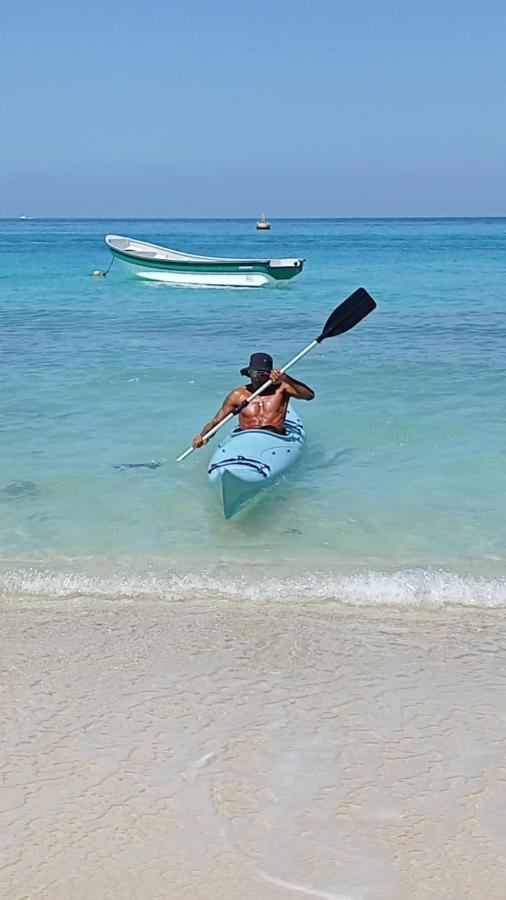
(266, 411)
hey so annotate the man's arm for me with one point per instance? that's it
(294, 388)
(228, 406)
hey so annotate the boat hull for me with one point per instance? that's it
(249, 461)
(212, 279)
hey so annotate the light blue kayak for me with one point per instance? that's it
(248, 461)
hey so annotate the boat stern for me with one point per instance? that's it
(283, 269)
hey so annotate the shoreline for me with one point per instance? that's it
(206, 749)
(119, 580)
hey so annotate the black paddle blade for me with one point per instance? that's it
(348, 314)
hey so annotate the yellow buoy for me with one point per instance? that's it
(97, 273)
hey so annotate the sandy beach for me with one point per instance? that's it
(188, 750)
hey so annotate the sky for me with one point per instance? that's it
(236, 108)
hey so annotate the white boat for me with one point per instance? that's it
(163, 264)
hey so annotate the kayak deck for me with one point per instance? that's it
(249, 460)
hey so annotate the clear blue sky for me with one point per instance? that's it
(234, 107)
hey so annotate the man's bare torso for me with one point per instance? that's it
(266, 411)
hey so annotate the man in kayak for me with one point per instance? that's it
(266, 411)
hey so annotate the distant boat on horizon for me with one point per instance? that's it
(263, 224)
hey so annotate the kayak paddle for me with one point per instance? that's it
(345, 316)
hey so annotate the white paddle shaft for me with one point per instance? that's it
(259, 391)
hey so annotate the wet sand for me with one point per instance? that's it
(179, 750)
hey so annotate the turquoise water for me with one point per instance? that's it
(401, 491)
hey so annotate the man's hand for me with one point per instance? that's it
(276, 376)
(198, 441)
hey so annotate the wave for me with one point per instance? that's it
(424, 589)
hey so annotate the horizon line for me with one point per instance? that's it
(116, 218)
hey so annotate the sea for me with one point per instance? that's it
(399, 497)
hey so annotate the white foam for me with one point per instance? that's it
(410, 588)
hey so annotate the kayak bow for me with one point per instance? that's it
(249, 460)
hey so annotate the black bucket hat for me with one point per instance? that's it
(258, 362)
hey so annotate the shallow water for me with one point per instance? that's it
(401, 487)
